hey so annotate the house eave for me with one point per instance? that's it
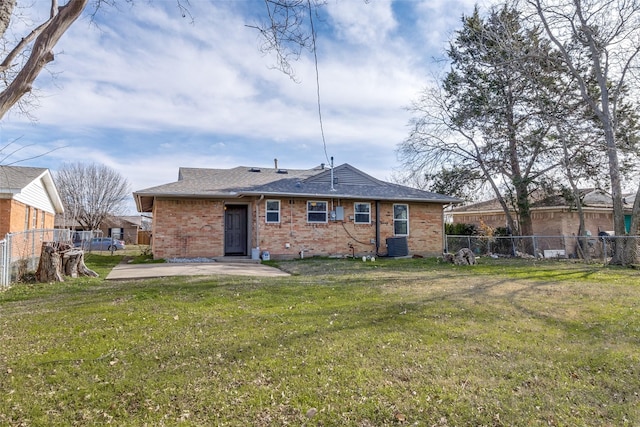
(144, 201)
(8, 193)
(336, 195)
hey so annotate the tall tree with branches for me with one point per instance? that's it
(599, 40)
(91, 193)
(487, 113)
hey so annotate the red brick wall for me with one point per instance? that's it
(5, 218)
(12, 216)
(186, 228)
(49, 219)
(195, 228)
(557, 223)
(548, 222)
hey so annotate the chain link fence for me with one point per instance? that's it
(20, 252)
(592, 247)
(5, 274)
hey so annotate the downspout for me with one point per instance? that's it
(377, 228)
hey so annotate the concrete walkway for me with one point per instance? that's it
(126, 271)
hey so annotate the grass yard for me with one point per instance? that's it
(339, 343)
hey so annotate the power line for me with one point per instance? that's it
(315, 58)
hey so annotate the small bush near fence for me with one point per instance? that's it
(597, 247)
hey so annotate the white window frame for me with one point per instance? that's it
(325, 212)
(356, 213)
(268, 211)
(118, 231)
(398, 220)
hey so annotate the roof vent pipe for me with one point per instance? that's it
(332, 189)
(275, 162)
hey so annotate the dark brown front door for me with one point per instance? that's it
(235, 230)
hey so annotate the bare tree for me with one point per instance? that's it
(288, 30)
(599, 39)
(91, 192)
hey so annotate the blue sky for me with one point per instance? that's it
(147, 91)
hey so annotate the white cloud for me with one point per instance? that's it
(363, 23)
(148, 91)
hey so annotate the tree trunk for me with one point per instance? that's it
(61, 259)
(49, 266)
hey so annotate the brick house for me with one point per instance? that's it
(28, 199)
(291, 213)
(131, 229)
(551, 215)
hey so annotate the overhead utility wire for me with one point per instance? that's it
(315, 57)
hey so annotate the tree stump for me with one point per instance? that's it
(463, 257)
(59, 259)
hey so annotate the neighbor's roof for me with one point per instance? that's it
(14, 180)
(349, 182)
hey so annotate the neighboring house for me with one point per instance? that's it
(551, 215)
(131, 228)
(28, 199)
(290, 213)
(127, 228)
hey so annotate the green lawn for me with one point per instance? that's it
(339, 343)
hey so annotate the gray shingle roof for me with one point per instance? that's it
(15, 178)
(223, 182)
(349, 182)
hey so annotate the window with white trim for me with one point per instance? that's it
(316, 211)
(362, 213)
(272, 211)
(401, 220)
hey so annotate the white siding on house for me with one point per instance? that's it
(35, 194)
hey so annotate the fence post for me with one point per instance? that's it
(4, 264)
